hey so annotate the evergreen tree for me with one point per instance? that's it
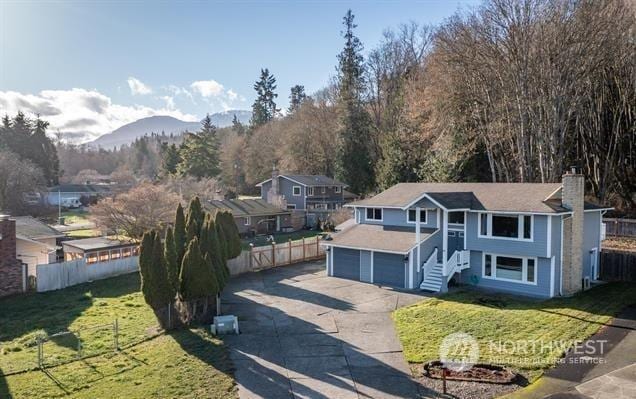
(264, 108)
(170, 255)
(169, 158)
(179, 233)
(233, 240)
(193, 268)
(355, 163)
(220, 233)
(220, 266)
(237, 126)
(195, 217)
(199, 153)
(296, 98)
(155, 286)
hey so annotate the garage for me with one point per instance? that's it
(388, 269)
(346, 263)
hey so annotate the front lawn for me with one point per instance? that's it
(187, 363)
(524, 334)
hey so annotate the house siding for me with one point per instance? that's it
(302, 201)
(474, 273)
(365, 266)
(537, 247)
(397, 217)
(591, 237)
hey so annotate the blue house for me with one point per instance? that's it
(531, 239)
(303, 192)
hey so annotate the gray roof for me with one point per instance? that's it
(81, 188)
(310, 180)
(378, 238)
(96, 243)
(31, 228)
(246, 207)
(513, 197)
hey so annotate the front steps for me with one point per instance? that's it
(433, 282)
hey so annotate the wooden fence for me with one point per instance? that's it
(265, 257)
(620, 227)
(618, 266)
(55, 276)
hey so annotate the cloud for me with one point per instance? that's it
(169, 101)
(138, 87)
(207, 88)
(80, 114)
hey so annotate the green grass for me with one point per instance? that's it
(75, 216)
(183, 364)
(260, 241)
(83, 233)
(512, 321)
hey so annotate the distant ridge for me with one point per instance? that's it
(161, 123)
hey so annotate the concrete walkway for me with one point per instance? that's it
(306, 335)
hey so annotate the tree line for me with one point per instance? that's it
(183, 274)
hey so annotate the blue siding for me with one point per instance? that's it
(365, 266)
(556, 251)
(591, 236)
(538, 247)
(542, 289)
(264, 189)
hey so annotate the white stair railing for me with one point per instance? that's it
(458, 261)
(430, 263)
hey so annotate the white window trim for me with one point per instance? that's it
(248, 220)
(422, 211)
(520, 221)
(337, 189)
(456, 225)
(373, 219)
(300, 190)
(524, 268)
(310, 191)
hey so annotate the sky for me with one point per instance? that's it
(89, 67)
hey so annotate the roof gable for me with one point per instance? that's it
(30, 227)
(308, 180)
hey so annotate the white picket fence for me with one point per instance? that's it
(55, 276)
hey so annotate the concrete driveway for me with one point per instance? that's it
(306, 335)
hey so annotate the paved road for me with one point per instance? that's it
(307, 335)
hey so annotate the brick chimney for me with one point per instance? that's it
(10, 266)
(572, 199)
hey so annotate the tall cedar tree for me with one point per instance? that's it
(195, 216)
(154, 275)
(196, 279)
(199, 152)
(220, 262)
(179, 234)
(27, 138)
(170, 255)
(238, 126)
(296, 98)
(355, 165)
(170, 158)
(232, 237)
(264, 108)
(208, 251)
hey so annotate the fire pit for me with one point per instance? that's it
(479, 373)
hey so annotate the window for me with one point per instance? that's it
(104, 256)
(451, 234)
(510, 268)
(115, 254)
(296, 191)
(91, 257)
(337, 189)
(321, 206)
(248, 220)
(460, 234)
(511, 227)
(291, 206)
(310, 191)
(488, 265)
(412, 216)
(126, 252)
(456, 217)
(323, 189)
(505, 226)
(135, 251)
(374, 214)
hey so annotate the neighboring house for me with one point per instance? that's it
(12, 272)
(72, 195)
(99, 249)
(303, 192)
(532, 239)
(36, 242)
(254, 216)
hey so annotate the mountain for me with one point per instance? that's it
(160, 123)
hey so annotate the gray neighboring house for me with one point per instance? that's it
(254, 216)
(312, 193)
(36, 242)
(530, 239)
(71, 195)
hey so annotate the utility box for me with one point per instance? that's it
(227, 324)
